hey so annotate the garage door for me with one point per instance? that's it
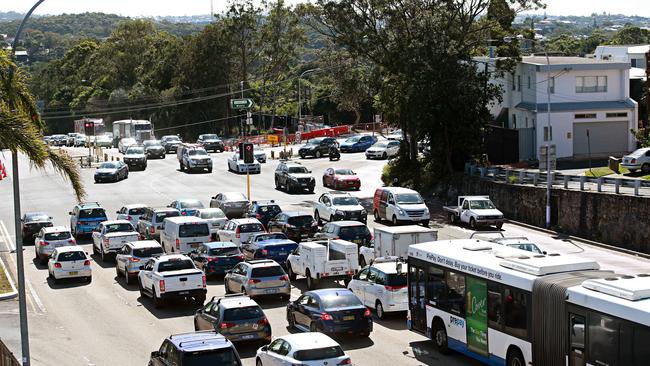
(605, 137)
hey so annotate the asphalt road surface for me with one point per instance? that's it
(107, 323)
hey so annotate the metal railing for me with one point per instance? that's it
(567, 181)
(6, 357)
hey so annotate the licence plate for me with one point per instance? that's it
(335, 269)
(282, 253)
(271, 291)
(248, 336)
(194, 245)
(335, 273)
(184, 293)
(73, 273)
(349, 317)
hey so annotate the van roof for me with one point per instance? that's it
(397, 190)
(407, 229)
(185, 219)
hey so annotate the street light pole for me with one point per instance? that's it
(549, 183)
(299, 77)
(20, 265)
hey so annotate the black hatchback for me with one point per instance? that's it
(32, 222)
(295, 225)
(354, 231)
(264, 211)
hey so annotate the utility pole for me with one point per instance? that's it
(549, 136)
(20, 264)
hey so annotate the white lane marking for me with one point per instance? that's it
(37, 299)
(7, 237)
(88, 361)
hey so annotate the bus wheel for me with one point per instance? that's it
(515, 358)
(440, 338)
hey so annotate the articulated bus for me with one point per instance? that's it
(504, 306)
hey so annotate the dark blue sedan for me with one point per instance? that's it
(330, 311)
(274, 246)
(357, 143)
(217, 257)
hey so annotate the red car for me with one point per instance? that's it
(340, 179)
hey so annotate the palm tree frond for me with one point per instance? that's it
(64, 165)
(18, 133)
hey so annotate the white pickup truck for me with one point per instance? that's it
(395, 241)
(172, 276)
(332, 259)
(476, 211)
(110, 236)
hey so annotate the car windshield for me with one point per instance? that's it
(135, 150)
(395, 279)
(104, 138)
(305, 220)
(341, 300)
(298, 169)
(318, 353)
(409, 198)
(343, 172)
(172, 139)
(160, 216)
(108, 166)
(191, 204)
(136, 211)
(216, 214)
(175, 265)
(353, 231)
(273, 236)
(270, 271)
(147, 252)
(270, 210)
(71, 256)
(247, 312)
(250, 228)
(223, 252)
(41, 216)
(345, 201)
(114, 228)
(222, 357)
(150, 143)
(235, 197)
(481, 205)
(210, 137)
(353, 139)
(193, 230)
(92, 213)
(196, 152)
(314, 142)
(380, 144)
(63, 235)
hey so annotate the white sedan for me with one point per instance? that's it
(69, 262)
(237, 165)
(125, 143)
(308, 349)
(383, 150)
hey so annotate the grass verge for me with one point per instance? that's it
(4, 282)
(604, 171)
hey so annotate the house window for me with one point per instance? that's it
(616, 115)
(513, 82)
(528, 82)
(584, 115)
(591, 84)
(551, 85)
(514, 120)
(548, 137)
(526, 122)
(518, 82)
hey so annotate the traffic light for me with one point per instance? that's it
(248, 153)
(89, 127)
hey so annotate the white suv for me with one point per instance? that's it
(239, 231)
(382, 286)
(308, 349)
(339, 206)
(50, 238)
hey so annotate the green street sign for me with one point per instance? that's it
(245, 103)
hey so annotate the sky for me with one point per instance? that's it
(196, 7)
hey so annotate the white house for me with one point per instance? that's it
(590, 107)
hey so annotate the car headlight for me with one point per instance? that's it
(339, 213)
(401, 212)
(364, 212)
(426, 211)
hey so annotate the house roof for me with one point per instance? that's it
(559, 63)
(576, 106)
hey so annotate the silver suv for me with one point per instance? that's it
(236, 317)
(257, 278)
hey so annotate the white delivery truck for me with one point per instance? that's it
(395, 241)
(329, 259)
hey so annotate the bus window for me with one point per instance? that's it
(436, 286)
(603, 340)
(515, 312)
(456, 292)
(641, 350)
(495, 303)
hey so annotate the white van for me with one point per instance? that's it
(182, 234)
(400, 205)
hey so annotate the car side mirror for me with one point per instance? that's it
(545, 252)
(141, 268)
(309, 171)
(264, 348)
(155, 354)
(117, 212)
(391, 202)
(70, 213)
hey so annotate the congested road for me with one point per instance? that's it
(108, 323)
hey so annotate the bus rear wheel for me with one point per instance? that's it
(440, 337)
(515, 358)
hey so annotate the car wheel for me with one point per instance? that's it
(117, 271)
(209, 170)
(243, 291)
(452, 218)
(384, 156)
(472, 223)
(42, 261)
(291, 319)
(425, 223)
(94, 247)
(395, 221)
(379, 310)
(199, 300)
(50, 275)
(182, 168)
(291, 273)
(277, 185)
(157, 302)
(318, 154)
(311, 282)
(127, 280)
(196, 326)
(317, 218)
(645, 168)
(89, 279)
(440, 337)
(499, 225)
(324, 183)
(376, 215)
(258, 362)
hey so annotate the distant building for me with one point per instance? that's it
(586, 95)
(634, 54)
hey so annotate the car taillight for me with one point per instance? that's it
(324, 274)
(265, 252)
(241, 257)
(284, 278)
(178, 244)
(226, 325)
(134, 259)
(213, 259)
(633, 161)
(347, 361)
(394, 288)
(57, 265)
(203, 280)
(263, 321)
(326, 316)
(86, 262)
(161, 285)
(152, 230)
(367, 313)
(43, 243)
(237, 232)
(72, 241)
(254, 280)
(129, 218)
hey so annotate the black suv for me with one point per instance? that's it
(317, 147)
(294, 177)
(198, 348)
(295, 225)
(263, 211)
(211, 142)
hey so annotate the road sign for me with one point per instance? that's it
(272, 139)
(244, 103)
(543, 157)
